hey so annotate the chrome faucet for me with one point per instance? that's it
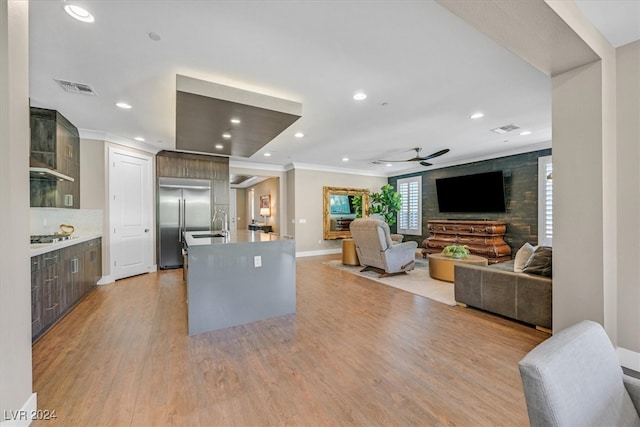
(225, 221)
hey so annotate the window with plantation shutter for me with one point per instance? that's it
(545, 201)
(410, 214)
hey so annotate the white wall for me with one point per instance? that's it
(577, 197)
(628, 172)
(92, 177)
(15, 272)
(309, 206)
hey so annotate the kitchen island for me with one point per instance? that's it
(239, 278)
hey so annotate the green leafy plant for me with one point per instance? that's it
(456, 251)
(386, 203)
(357, 205)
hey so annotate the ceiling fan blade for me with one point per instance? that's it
(420, 159)
(436, 154)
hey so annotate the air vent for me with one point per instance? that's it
(504, 129)
(76, 87)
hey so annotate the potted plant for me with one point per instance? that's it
(385, 204)
(456, 251)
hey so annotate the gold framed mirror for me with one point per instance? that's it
(339, 211)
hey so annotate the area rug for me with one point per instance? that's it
(416, 281)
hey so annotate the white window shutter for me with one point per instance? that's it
(410, 214)
(545, 201)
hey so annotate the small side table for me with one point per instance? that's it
(442, 267)
(349, 255)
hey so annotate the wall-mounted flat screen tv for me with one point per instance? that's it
(341, 204)
(482, 192)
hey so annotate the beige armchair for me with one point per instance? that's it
(377, 251)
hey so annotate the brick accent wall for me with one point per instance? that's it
(521, 194)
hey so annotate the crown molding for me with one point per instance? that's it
(107, 137)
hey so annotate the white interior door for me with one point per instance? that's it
(130, 213)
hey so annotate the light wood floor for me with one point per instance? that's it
(356, 353)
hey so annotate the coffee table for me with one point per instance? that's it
(442, 267)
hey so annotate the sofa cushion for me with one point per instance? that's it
(522, 256)
(539, 263)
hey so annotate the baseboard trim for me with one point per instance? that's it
(23, 416)
(629, 359)
(105, 280)
(317, 253)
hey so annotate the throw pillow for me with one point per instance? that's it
(540, 262)
(522, 256)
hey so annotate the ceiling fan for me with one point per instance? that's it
(420, 159)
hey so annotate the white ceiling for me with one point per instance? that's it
(424, 70)
(617, 20)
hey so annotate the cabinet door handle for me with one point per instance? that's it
(51, 279)
(52, 307)
(50, 257)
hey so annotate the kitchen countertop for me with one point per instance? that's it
(43, 248)
(240, 236)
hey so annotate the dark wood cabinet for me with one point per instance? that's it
(185, 165)
(55, 144)
(60, 279)
(260, 227)
(215, 169)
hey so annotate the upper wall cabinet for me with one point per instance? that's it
(198, 166)
(55, 154)
(185, 165)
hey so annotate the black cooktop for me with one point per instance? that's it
(49, 238)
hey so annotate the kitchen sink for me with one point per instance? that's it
(207, 235)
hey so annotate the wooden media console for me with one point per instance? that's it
(483, 238)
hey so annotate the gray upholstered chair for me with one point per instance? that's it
(574, 379)
(376, 250)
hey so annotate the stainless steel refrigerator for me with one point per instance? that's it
(183, 205)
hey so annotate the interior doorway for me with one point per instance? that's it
(130, 213)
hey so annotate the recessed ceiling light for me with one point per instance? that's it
(235, 121)
(359, 96)
(388, 165)
(345, 159)
(525, 132)
(79, 13)
(226, 135)
(267, 154)
(139, 138)
(154, 36)
(299, 135)
(123, 105)
(476, 115)
(219, 146)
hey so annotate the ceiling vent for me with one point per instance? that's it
(504, 129)
(76, 87)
